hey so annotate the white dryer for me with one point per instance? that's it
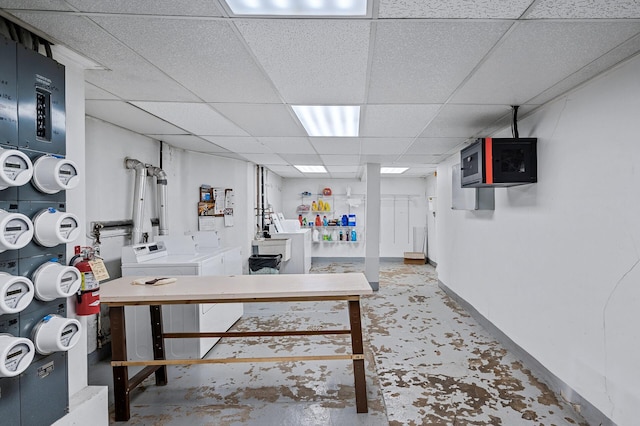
(156, 260)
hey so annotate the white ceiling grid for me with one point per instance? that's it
(429, 75)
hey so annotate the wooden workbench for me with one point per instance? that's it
(228, 289)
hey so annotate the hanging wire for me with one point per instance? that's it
(514, 121)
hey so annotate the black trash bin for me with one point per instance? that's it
(265, 263)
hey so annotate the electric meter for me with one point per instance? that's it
(16, 231)
(15, 293)
(53, 174)
(53, 227)
(55, 334)
(15, 168)
(53, 280)
(16, 354)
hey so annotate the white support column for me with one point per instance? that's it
(372, 232)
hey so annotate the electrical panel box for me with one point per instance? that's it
(10, 400)
(41, 102)
(32, 123)
(43, 390)
(8, 94)
(499, 162)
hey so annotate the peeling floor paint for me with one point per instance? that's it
(427, 363)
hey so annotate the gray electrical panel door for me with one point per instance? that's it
(8, 94)
(41, 108)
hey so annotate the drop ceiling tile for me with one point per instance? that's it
(242, 145)
(129, 117)
(262, 119)
(199, 119)
(270, 159)
(419, 171)
(302, 159)
(433, 146)
(148, 7)
(128, 75)
(584, 9)
(336, 145)
(288, 145)
(93, 92)
(603, 63)
(420, 160)
(425, 61)
(285, 171)
(458, 9)
(35, 4)
(527, 62)
(312, 61)
(205, 56)
(340, 160)
(384, 146)
(396, 120)
(378, 159)
(191, 143)
(343, 169)
(464, 121)
(344, 175)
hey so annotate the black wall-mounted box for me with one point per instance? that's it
(499, 162)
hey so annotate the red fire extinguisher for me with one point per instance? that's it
(88, 297)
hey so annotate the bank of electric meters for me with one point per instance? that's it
(49, 227)
(49, 174)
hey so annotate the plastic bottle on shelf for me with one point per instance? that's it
(353, 235)
(341, 236)
(314, 206)
(345, 220)
(318, 221)
(325, 222)
(300, 219)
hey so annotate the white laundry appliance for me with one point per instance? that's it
(170, 258)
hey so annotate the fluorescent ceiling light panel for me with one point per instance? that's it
(341, 121)
(311, 169)
(299, 7)
(393, 170)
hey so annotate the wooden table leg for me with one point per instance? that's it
(119, 353)
(155, 312)
(358, 349)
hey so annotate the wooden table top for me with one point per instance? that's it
(197, 289)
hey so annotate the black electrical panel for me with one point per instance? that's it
(499, 162)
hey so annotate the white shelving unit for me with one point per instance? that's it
(334, 214)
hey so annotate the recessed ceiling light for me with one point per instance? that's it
(393, 170)
(340, 120)
(299, 7)
(311, 169)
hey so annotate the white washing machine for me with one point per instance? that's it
(171, 258)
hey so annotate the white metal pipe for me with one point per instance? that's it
(138, 198)
(161, 182)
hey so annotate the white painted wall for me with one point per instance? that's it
(432, 218)
(403, 207)
(107, 147)
(186, 172)
(555, 266)
(75, 199)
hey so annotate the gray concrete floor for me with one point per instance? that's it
(428, 363)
